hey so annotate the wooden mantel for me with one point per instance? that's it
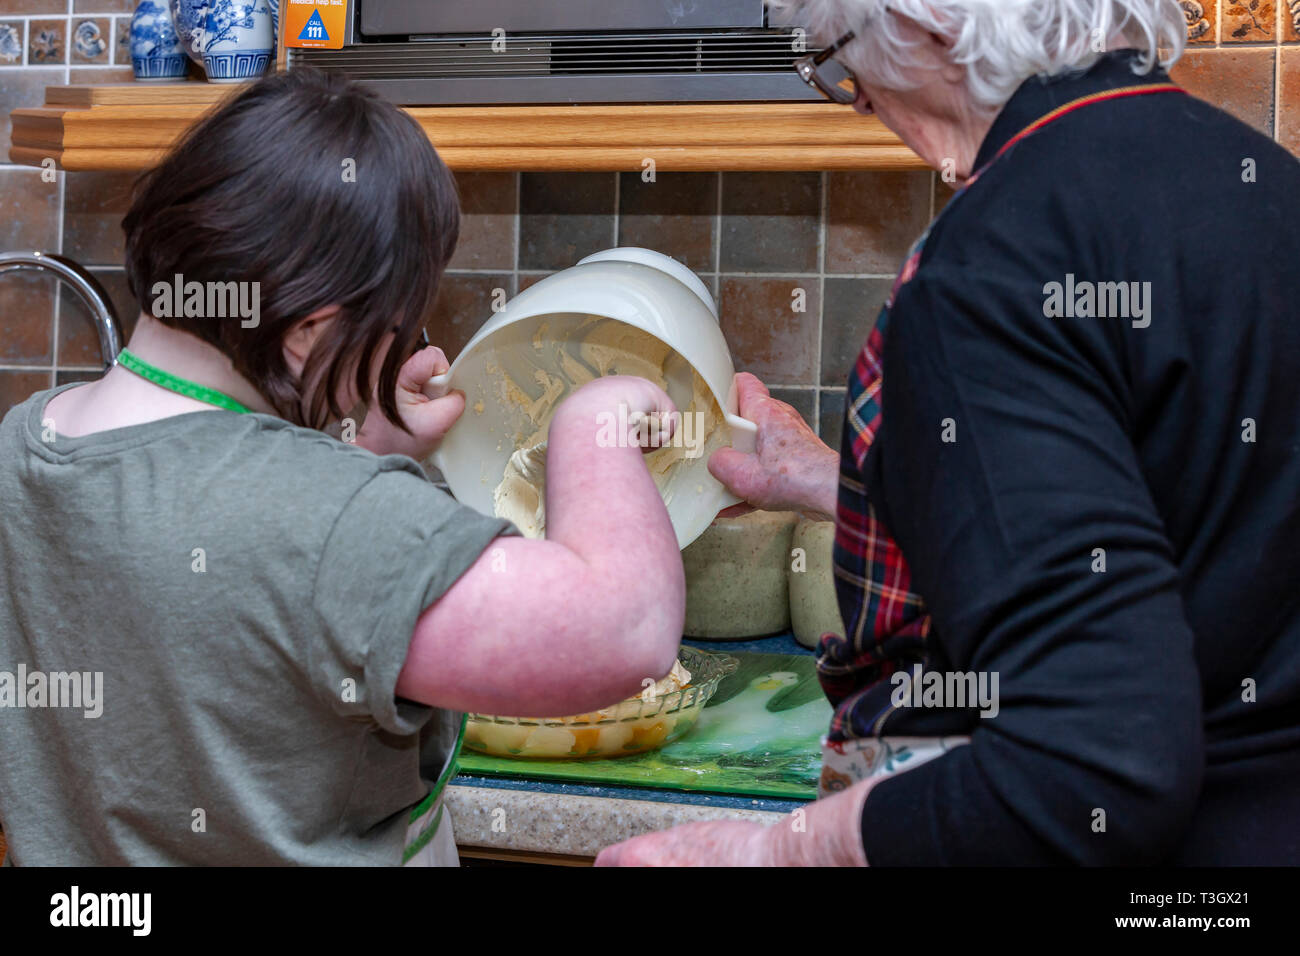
(128, 126)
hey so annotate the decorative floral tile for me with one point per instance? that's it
(1201, 17)
(122, 45)
(47, 41)
(11, 41)
(1249, 21)
(90, 39)
(1291, 22)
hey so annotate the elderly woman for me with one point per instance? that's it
(1069, 469)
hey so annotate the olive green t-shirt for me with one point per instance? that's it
(243, 592)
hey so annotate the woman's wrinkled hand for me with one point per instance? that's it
(428, 418)
(708, 843)
(791, 469)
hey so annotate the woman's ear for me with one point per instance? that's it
(303, 336)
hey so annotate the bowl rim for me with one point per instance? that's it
(693, 695)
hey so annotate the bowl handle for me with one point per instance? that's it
(437, 387)
(744, 434)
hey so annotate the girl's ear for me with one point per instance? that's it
(303, 336)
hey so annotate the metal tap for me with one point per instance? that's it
(86, 286)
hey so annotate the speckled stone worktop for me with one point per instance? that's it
(570, 819)
(578, 820)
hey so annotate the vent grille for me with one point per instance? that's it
(573, 55)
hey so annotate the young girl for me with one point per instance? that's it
(280, 630)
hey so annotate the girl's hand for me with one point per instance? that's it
(429, 419)
(618, 400)
(791, 470)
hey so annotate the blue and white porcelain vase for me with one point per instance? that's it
(156, 51)
(239, 40)
(190, 17)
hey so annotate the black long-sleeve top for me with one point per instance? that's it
(1159, 698)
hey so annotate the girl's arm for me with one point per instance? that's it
(576, 621)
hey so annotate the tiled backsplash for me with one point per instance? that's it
(768, 244)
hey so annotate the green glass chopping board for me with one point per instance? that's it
(760, 735)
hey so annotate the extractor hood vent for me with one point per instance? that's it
(648, 66)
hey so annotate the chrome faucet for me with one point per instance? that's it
(85, 284)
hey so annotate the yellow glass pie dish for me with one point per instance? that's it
(632, 726)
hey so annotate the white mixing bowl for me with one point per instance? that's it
(639, 287)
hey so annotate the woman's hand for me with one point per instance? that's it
(826, 832)
(791, 470)
(429, 419)
(708, 843)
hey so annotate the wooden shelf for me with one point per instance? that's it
(128, 126)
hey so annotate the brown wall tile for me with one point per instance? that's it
(1288, 100)
(90, 39)
(564, 217)
(943, 192)
(1237, 80)
(29, 210)
(94, 204)
(27, 317)
(872, 219)
(848, 316)
(1249, 21)
(16, 387)
(464, 304)
(676, 215)
(36, 6)
(766, 336)
(802, 400)
(1202, 17)
(78, 335)
(487, 225)
(1290, 13)
(125, 305)
(101, 74)
(830, 420)
(528, 279)
(770, 222)
(47, 42)
(107, 6)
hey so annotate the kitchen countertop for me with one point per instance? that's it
(517, 819)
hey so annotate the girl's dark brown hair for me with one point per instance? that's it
(323, 193)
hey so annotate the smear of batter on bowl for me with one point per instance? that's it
(595, 348)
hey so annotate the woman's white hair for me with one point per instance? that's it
(1001, 43)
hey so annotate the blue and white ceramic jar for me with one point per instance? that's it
(156, 51)
(190, 17)
(239, 40)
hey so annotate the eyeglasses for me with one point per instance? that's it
(828, 76)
